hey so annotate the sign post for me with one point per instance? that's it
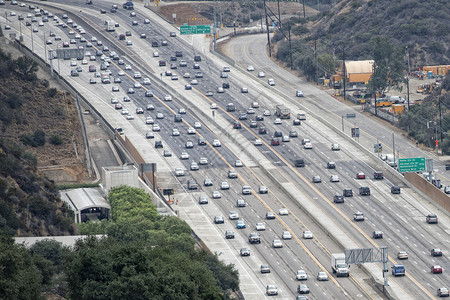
(412, 164)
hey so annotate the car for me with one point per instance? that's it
(194, 166)
(194, 82)
(283, 212)
(179, 172)
(402, 255)
(150, 135)
(149, 120)
(130, 91)
(129, 43)
(271, 290)
(361, 175)
(92, 81)
(443, 292)
(229, 234)
(201, 141)
(293, 133)
(251, 111)
(257, 142)
(277, 243)
(238, 163)
(334, 178)
(115, 88)
(261, 74)
(277, 121)
(175, 132)
(158, 144)
(436, 252)
(395, 189)
(299, 162)
(167, 153)
(378, 175)
(377, 234)
(270, 215)
(260, 226)
(347, 192)
(331, 165)
(197, 125)
(244, 252)
(275, 142)
(296, 122)
(436, 269)
(432, 219)
(307, 234)
(286, 138)
(174, 77)
(184, 155)
(265, 269)
(240, 203)
(156, 127)
(232, 174)
(303, 289)
(299, 93)
(234, 215)
(263, 189)
(447, 189)
(358, 216)
(183, 63)
(250, 68)
(286, 235)
(203, 161)
(262, 130)
(307, 146)
(335, 147)
(130, 117)
(216, 143)
(242, 116)
(253, 124)
(216, 195)
(213, 106)
(240, 224)
(271, 82)
(226, 69)
(237, 125)
(322, 276)
(246, 190)
(202, 200)
(160, 115)
(167, 98)
(207, 182)
(259, 118)
(244, 90)
(301, 275)
(364, 191)
(146, 21)
(218, 220)
(316, 179)
(338, 198)
(223, 75)
(191, 130)
(224, 185)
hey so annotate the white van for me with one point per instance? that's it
(301, 115)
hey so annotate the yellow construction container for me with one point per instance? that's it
(397, 109)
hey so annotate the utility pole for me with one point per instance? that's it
(267, 28)
(343, 68)
(45, 48)
(407, 77)
(440, 120)
(279, 15)
(315, 57)
(393, 147)
(375, 88)
(290, 48)
(304, 12)
(214, 27)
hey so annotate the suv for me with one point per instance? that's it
(158, 144)
(254, 238)
(364, 191)
(232, 174)
(338, 198)
(331, 165)
(347, 192)
(192, 185)
(395, 189)
(378, 175)
(300, 162)
(432, 219)
(358, 216)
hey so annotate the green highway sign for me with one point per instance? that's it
(195, 29)
(413, 164)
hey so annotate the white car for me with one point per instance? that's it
(283, 212)
(156, 127)
(238, 163)
(307, 234)
(213, 106)
(146, 81)
(203, 161)
(307, 146)
(137, 75)
(277, 121)
(179, 172)
(286, 138)
(191, 130)
(167, 98)
(234, 215)
(149, 120)
(322, 276)
(286, 235)
(299, 94)
(216, 143)
(130, 117)
(260, 226)
(197, 125)
(258, 142)
(175, 132)
(271, 82)
(184, 155)
(301, 275)
(335, 147)
(261, 74)
(125, 112)
(194, 82)
(224, 185)
(277, 244)
(266, 113)
(334, 178)
(155, 54)
(250, 68)
(216, 195)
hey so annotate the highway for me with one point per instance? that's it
(400, 217)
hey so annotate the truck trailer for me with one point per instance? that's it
(339, 266)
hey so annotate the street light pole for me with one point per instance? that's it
(407, 76)
(45, 48)
(32, 44)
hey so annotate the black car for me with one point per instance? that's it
(178, 53)
(299, 162)
(347, 192)
(158, 144)
(237, 125)
(201, 141)
(364, 191)
(338, 198)
(331, 165)
(197, 58)
(155, 44)
(277, 133)
(395, 189)
(378, 175)
(229, 234)
(259, 118)
(226, 85)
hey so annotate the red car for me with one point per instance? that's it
(275, 142)
(436, 269)
(377, 234)
(360, 175)
(436, 252)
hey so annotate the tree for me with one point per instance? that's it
(387, 67)
(26, 68)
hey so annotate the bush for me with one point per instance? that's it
(299, 30)
(55, 140)
(52, 92)
(35, 140)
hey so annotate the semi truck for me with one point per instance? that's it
(338, 265)
(282, 112)
(398, 270)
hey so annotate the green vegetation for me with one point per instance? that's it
(423, 120)
(352, 24)
(142, 256)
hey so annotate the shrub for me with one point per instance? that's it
(35, 140)
(52, 92)
(55, 140)
(299, 30)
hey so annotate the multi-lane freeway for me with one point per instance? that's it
(310, 205)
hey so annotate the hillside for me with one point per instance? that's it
(421, 25)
